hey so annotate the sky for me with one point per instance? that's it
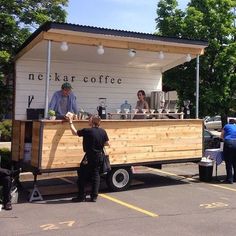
(130, 15)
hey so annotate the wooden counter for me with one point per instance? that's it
(133, 142)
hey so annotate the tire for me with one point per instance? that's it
(119, 179)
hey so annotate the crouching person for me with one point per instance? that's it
(6, 177)
(5, 182)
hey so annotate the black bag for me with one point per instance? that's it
(105, 165)
(84, 161)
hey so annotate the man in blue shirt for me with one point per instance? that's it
(63, 101)
(229, 135)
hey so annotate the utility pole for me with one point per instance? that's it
(234, 22)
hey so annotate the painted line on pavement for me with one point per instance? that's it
(224, 187)
(119, 201)
(172, 174)
(164, 172)
(129, 205)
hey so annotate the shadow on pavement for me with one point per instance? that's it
(63, 189)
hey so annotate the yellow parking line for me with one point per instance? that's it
(129, 205)
(163, 172)
(171, 174)
(224, 187)
(215, 185)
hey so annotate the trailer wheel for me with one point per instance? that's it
(119, 179)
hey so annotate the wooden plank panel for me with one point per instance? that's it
(18, 142)
(63, 141)
(154, 156)
(36, 144)
(63, 146)
(60, 165)
(22, 140)
(72, 160)
(131, 142)
(160, 148)
(154, 130)
(154, 138)
(143, 143)
(16, 132)
(179, 147)
(121, 44)
(60, 153)
(64, 154)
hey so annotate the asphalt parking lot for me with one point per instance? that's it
(171, 201)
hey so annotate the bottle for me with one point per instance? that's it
(125, 108)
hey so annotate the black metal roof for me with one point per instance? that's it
(105, 31)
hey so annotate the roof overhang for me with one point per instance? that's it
(83, 42)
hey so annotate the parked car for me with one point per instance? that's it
(211, 140)
(213, 123)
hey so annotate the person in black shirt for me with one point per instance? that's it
(94, 140)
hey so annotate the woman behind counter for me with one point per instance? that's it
(229, 135)
(141, 104)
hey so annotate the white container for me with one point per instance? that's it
(27, 152)
(14, 195)
(221, 146)
(205, 161)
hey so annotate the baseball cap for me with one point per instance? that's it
(66, 86)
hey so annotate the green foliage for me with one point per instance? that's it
(5, 130)
(210, 20)
(5, 92)
(18, 19)
(170, 19)
(5, 154)
(51, 113)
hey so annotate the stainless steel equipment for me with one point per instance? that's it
(102, 108)
(157, 100)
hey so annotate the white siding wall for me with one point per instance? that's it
(132, 79)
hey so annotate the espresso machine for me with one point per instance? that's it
(102, 108)
(157, 101)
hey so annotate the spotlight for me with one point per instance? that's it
(161, 55)
(64, 46)
(188, 58)
(100, 50)
(132, 52)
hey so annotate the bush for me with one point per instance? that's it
(5, 154)
(5, 130)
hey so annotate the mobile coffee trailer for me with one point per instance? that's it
(99, 63)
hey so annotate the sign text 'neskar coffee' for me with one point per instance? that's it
(101, 79)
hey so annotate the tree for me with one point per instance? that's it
(5, 92)
(210, 20)
(18, 19)
(169, 18)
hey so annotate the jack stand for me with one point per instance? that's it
(35, 194)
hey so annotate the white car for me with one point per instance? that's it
(213, 123)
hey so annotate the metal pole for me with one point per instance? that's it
(197, 88)
(47, 78)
